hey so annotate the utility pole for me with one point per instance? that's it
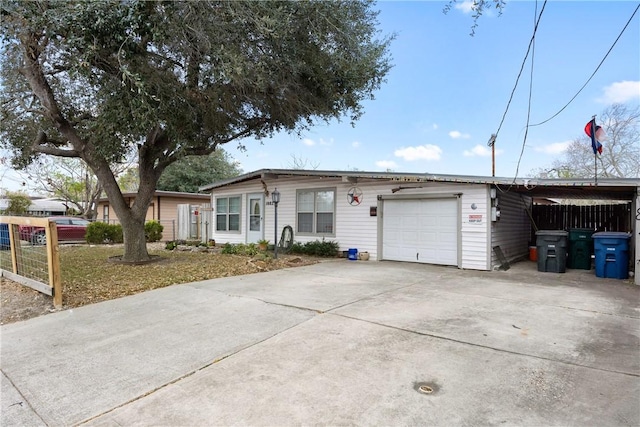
(492, 143)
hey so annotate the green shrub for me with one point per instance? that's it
(98, 232)
(251, 249)
(240, 249)
(297, 248)
(101, 232)
(116, 234)
(170, 245)
(153, 231)
(316, 248)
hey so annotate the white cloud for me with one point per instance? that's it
(553, 148)
(356, 144)
(466, 6)
(480, 151)
(620, 92)
(421, 152)
(310, 142)
(326, 142)
(386, 164)
(434, 126)
(454, 134)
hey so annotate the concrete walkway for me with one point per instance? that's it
(339, 342)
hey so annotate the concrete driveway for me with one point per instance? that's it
(337, 343)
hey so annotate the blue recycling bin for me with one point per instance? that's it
(353, 254)
(5, 243)
(612, 254)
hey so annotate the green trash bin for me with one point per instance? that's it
(580, 248)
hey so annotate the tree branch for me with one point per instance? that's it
(56, 151)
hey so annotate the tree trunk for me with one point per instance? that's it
(132, 218)
(135, 242)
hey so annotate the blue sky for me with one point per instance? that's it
(448, 91)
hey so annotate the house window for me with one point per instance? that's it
(228, 213)
(315, 211)
(105, 213)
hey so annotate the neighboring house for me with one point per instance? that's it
(41, 206)
(163, 208)
(425, 218)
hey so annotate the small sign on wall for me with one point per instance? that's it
(373, 211)
(477, 219)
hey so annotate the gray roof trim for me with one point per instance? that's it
(162, 193)
(427, 177)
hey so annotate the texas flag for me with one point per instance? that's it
(596, 133)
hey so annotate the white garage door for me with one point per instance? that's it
(424, 230)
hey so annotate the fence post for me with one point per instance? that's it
(53, 258)
(16, 247)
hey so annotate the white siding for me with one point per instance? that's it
(476, 224)
(354, 227)
(635, 251)
(512, 231)
(236, 190)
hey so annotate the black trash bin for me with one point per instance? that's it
(580, 248)
(552, 250)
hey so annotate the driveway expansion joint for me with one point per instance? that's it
(24, 398)
(501, 350)
(189, 374)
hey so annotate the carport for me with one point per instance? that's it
(605, 205)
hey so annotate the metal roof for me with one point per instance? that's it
(162, 193)
(604, 189)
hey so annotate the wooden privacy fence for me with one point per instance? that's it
(595, 217)
(35, 266)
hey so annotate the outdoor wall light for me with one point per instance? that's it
(275, 199)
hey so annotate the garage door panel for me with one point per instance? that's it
(422, 230)
(448, 222)
(409, 238)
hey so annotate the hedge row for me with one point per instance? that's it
(101, 232)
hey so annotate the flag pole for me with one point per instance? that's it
(595, 152)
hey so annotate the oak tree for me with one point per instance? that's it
(175, 79)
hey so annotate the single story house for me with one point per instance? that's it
(41, 206)
(164, 208)
(464, 221)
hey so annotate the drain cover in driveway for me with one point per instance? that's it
(426, 387)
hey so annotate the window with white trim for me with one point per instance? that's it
(315, 210)
(228, 213)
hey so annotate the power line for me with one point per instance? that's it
(526, 132)
(524, 61)
(594, 73)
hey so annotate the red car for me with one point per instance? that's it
(70, 229)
